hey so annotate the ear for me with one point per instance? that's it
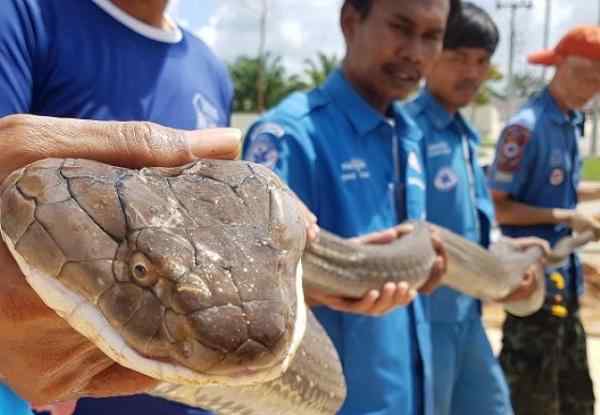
(349, 18)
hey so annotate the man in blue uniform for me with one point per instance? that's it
(103, 60)
(351, 154)
(535, 182)
(467, 377)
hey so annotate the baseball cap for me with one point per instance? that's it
(582, 41)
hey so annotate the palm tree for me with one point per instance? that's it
(245, 72)
(317, 71)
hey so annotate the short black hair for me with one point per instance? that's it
(363, 7)
(472, 27)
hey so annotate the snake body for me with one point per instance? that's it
(193, 275)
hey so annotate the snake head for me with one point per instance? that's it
(188, 275)
(220, 293)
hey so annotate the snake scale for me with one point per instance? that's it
(193, 275)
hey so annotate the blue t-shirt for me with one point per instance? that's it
(455, 181)
(87, 59)
(537, 163)
(358, 172)
(72, 58)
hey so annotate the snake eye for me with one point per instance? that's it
(142, 270)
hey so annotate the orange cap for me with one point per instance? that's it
(583, 41)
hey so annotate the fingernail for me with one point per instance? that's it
(214, 141)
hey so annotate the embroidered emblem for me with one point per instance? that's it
(557, 177)
(354, 169)
(268, 128)
(512, 147)
(446, 179)
(263, 150)
(438, 149)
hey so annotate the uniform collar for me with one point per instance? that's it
(363, 117)
(439, 117)
(555, 113)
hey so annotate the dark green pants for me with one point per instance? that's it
(545, 362)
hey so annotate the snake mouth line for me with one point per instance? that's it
(85, 318)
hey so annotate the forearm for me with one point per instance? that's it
(587, 192)
(509, 212)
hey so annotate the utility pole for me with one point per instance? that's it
(260, 79)
(514, 6)
(261, 9)
(547, 25)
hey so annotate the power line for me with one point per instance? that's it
(513, 6)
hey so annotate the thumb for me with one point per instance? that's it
(27, 138)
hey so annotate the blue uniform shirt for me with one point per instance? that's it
(454, 180)
(358, 172)
(537, 163)
(86, 59)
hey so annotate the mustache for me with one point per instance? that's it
(406, 68)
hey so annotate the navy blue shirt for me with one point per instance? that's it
(537, 163)
(457, 194)
(71, 58)
(358, 172)
(87, 59)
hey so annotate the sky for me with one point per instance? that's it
(297, 30)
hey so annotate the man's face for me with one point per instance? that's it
(457, 75)
(391, 49)
(581, 80)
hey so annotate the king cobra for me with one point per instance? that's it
(193, 275)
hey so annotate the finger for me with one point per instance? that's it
(129, 144)
(385, 302)
(404, 295)
(312, 229)
(381, 237)
(438, 270)
(404, 229)
(361, 306)
(364, 305)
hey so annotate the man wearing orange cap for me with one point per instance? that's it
(535, 186)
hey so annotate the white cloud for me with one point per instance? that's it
(297, 30)
(292, 34)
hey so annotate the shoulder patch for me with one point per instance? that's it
(268, 128)
(263, 146)
(512, 147)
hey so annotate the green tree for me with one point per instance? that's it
(487, 92)
(318, 70)
(277, 83)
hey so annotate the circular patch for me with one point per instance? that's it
(511, 150)
(557, 177)
(446, 179)
(263, 150)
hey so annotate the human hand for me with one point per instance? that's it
(41, 357)
(391, 295)
(580, 222)
(528, 286)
